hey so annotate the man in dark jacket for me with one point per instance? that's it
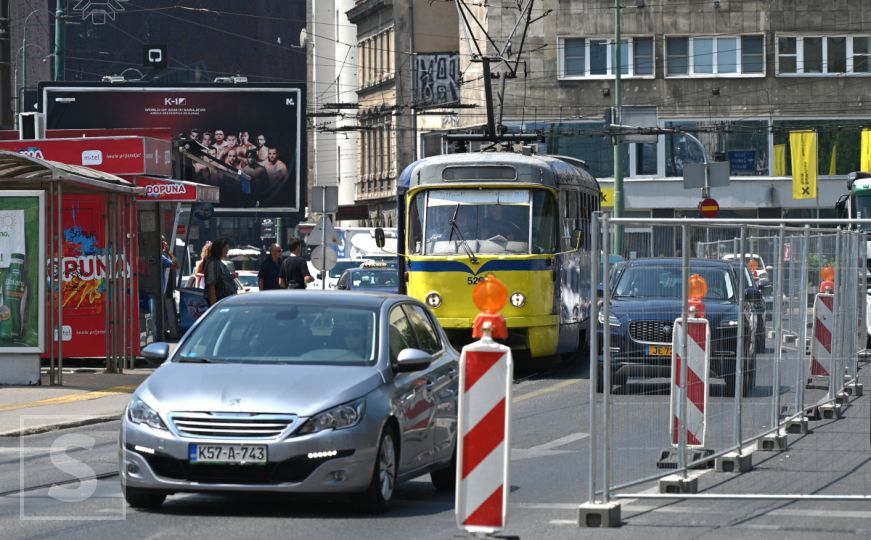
(270, 269)
(294, 270)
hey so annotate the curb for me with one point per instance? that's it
(46, 428)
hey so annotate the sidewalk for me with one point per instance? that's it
(88, 396)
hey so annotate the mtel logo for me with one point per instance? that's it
(174, 101)
(92, 157)
(32, 151)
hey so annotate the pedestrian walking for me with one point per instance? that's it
(219, 280)
(270, 269)
(294, 270)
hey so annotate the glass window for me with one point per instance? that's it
(727, 55)
(787, 55)
(663, 281)
(703, 55)
(752, 54)
(598, 57)
(813, 55)
(624, 57)
(839, 137)
(680, 149)
(266, 333)
(543, 222)
(677, 56)
(427, 337)
(836, 55)
(861, 53)
(401, 334)
(573, 49)
(415, 223)
(643, 56)
(645, 159)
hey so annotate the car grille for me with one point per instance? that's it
(292, 470)
(651, 331)
(231, 425)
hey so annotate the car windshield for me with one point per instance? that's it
(277, 333)
(652, 281)
(248, 280)
(373, 279)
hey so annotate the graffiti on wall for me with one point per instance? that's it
(438, 78)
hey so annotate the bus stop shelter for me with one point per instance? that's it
(67, 266)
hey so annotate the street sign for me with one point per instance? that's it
(717, 173)
(323, 231)
(324, 199)
(322, 263)
(709, 208)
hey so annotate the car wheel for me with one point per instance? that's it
(143, 498)
(378, 496)
(445, 479)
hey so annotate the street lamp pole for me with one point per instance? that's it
(618, 139)
(24, 58)
(59, 40)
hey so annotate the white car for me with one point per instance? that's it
(761, 270)
(249, 280)
(332, 277)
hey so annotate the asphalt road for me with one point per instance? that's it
(550, 450)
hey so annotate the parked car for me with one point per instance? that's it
(755, 262)
(249, 280)
(331, 276)
(644, 303)
(369, 278)
(296, 391)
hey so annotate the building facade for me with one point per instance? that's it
(408, 59)
(737, 75)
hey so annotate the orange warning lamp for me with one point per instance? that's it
(698, 288)
(828, 275)
(490, 295)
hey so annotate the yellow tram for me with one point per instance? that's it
(524, 218)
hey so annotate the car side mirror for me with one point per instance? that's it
(410, 360)
(379, 237)
(156, 353)
(769, 268)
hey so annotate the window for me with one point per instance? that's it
(401, 334)
(823, 55)
(585, 57)
(423, 329)
(712, 56)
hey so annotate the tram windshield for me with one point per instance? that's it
(483, 221)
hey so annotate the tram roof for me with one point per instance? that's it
(539, 169)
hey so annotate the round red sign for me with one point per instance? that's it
(709, 208)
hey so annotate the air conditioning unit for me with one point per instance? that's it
(31, 125)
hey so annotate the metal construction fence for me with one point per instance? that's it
(734, 337)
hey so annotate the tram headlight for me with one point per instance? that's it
(518, 299)
(433, 300)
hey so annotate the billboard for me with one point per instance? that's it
(22, 271)
(255, 130)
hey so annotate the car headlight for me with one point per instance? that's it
(729, 324)
(612, 319)
(341, 417)
(140, 413)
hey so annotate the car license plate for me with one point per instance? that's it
(659, 350)
(227, 453)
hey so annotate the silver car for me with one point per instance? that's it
(296, 391)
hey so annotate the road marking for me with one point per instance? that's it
(97, 394)
(547, 449)
(543, 391)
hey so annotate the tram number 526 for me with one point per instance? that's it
(475, 280)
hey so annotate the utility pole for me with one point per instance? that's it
(60, 22)
(618, 139)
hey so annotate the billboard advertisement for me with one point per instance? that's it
(84, 270)
(258, 131)
(22, 270)
(115, 155)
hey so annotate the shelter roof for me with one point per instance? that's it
(15, 166)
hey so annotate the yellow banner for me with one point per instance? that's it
(866, 150)
(803, 146)
(779, 160)
(607, 197)
(833, 163)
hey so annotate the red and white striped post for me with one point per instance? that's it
(698, 367)
(484, 423)
(821, 346)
